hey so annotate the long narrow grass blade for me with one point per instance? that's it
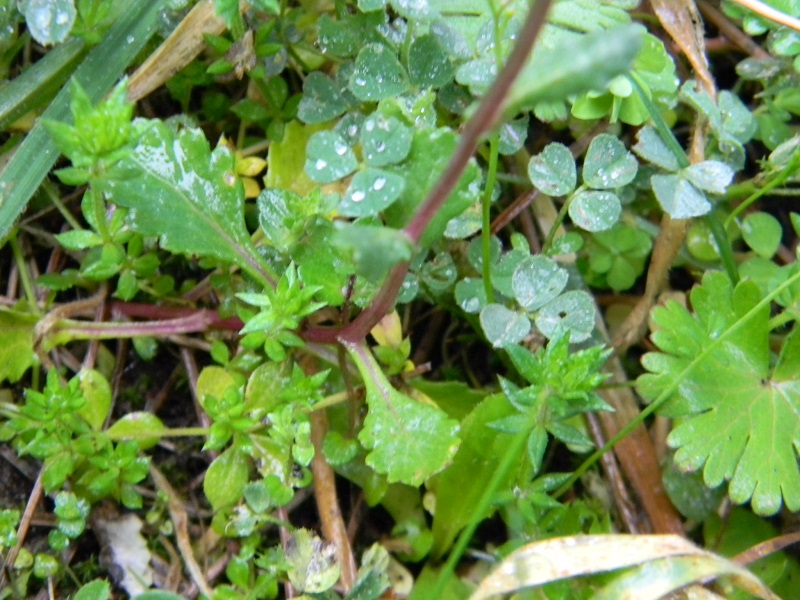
(102, 68)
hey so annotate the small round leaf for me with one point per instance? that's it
(608, 163)
(384, 140)
(762, 232)
(536, 281)
(328, 157)
(371, 191)
(573, 311)
(552, 171)
(378, 74)
(710, 175)
(321, 100)
(503, 326)
(428, 63)
(678, 197)
(595, 211)
(470, 295)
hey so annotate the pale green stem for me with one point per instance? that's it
(562, 214)
(24, 275)
(773, 183)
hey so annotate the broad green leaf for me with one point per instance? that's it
(226, 478)
(430, 152)
(736, 416)
(573, 311)
(595, 211)
(577, 65)
(322, 100)
(187, 195)
(328, 157)
(377, 74)
(710, 175)
(408, 441)
(384, 140)
(144, 427)
(679, 198)
(762, 232)
(608, 164)
(536, 281)
(49, 21)
(652, 148)
(459, 488)
(553, 171)
(428, 63)
(16, 344)
(370, 192)
(97, 391)
(503, 326)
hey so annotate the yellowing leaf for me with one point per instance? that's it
(16, 344)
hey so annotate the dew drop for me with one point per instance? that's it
(130, 39)
(320, 164)
(380, 147)
(360, 82)
(379, 183)
(340, 148)
(471, 305)
(229, 178)
(352, 131)
(62, 18)
(358, 196)
(369, 125)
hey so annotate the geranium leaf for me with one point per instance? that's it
(408, 441)
(737, 418)
(186, 195)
